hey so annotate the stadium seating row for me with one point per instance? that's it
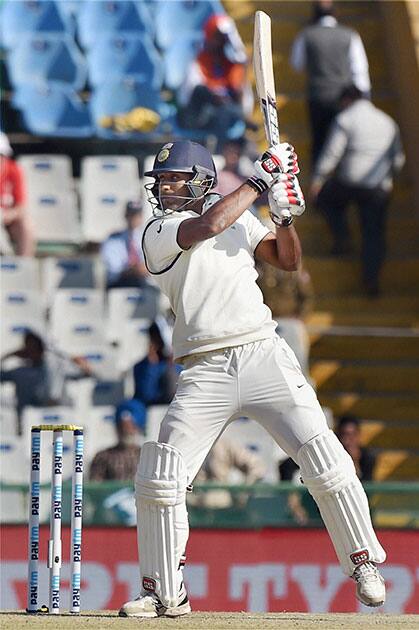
(100, 433)
(66, 210)
(85, 19)
(124, 52)
(60, 112)
(110, 331)
(105, 186)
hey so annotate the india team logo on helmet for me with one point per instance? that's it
(182, 156)
(164, 152)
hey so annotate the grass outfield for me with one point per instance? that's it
(102, 620)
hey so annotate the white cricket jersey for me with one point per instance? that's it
(211, 286)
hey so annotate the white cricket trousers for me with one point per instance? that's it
(261, 380)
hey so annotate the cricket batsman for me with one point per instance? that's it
(201, 249)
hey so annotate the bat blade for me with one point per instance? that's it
(264, 76)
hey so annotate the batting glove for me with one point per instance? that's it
(276, 160)
(286, 200)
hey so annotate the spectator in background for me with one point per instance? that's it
(226, 463)
(225, 459)
(362, 153)
(122, 254)
(348, 432)
(40, 381)
(237, 167)
(216, 95)
(333, 56)
(155, 377)
(299, 506)
(120, 461)
(293, 302)
(15, 218)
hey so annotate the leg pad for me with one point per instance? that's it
(329, 474)
(160, 487)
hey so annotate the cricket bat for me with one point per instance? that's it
(264, 76)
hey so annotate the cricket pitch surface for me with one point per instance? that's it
(101, 620)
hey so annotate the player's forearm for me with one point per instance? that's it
(288, 247)
(218, 218)
(226, 211)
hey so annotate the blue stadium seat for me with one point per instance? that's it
(177, 58)
(69, 8)
(124, 95)
(100, 16)
(39, 17)
(47, 59)
(122, 56)
(175, 18)
(49, 111)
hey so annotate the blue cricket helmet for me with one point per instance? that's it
(184, 156)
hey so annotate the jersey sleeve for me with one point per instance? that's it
(159, 244)
(255, 229)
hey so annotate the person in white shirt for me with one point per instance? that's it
(333, 56)
(122, 254)
(362, 153)
(201, 249)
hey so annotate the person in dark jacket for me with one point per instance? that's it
(119, 462)
(349, 434)
(333, 56)
(155, 377)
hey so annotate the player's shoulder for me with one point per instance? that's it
(151, 221)
(152, 226)
(167, 223)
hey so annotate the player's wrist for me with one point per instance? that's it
(281, 222)
(257, 184)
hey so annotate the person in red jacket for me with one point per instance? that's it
(15, 219)
(216, 95)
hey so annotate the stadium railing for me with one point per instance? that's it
(393, 504)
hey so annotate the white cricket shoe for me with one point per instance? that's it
(370, 585)
(149, 605)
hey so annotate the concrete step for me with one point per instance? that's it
(356, 306)
(286, 27)
(338, 277)
(357, 310)
(390, 436)
(398, 509)
(288, 81)
(396, 465)
(293, 110)
(362, 314)
(366, 377)
(303, 10)
(374, 407)
(363, 347)
(402, 232)
(297, 11)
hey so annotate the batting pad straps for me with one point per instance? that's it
(324, 467)
(160, 487)
(329, 474)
